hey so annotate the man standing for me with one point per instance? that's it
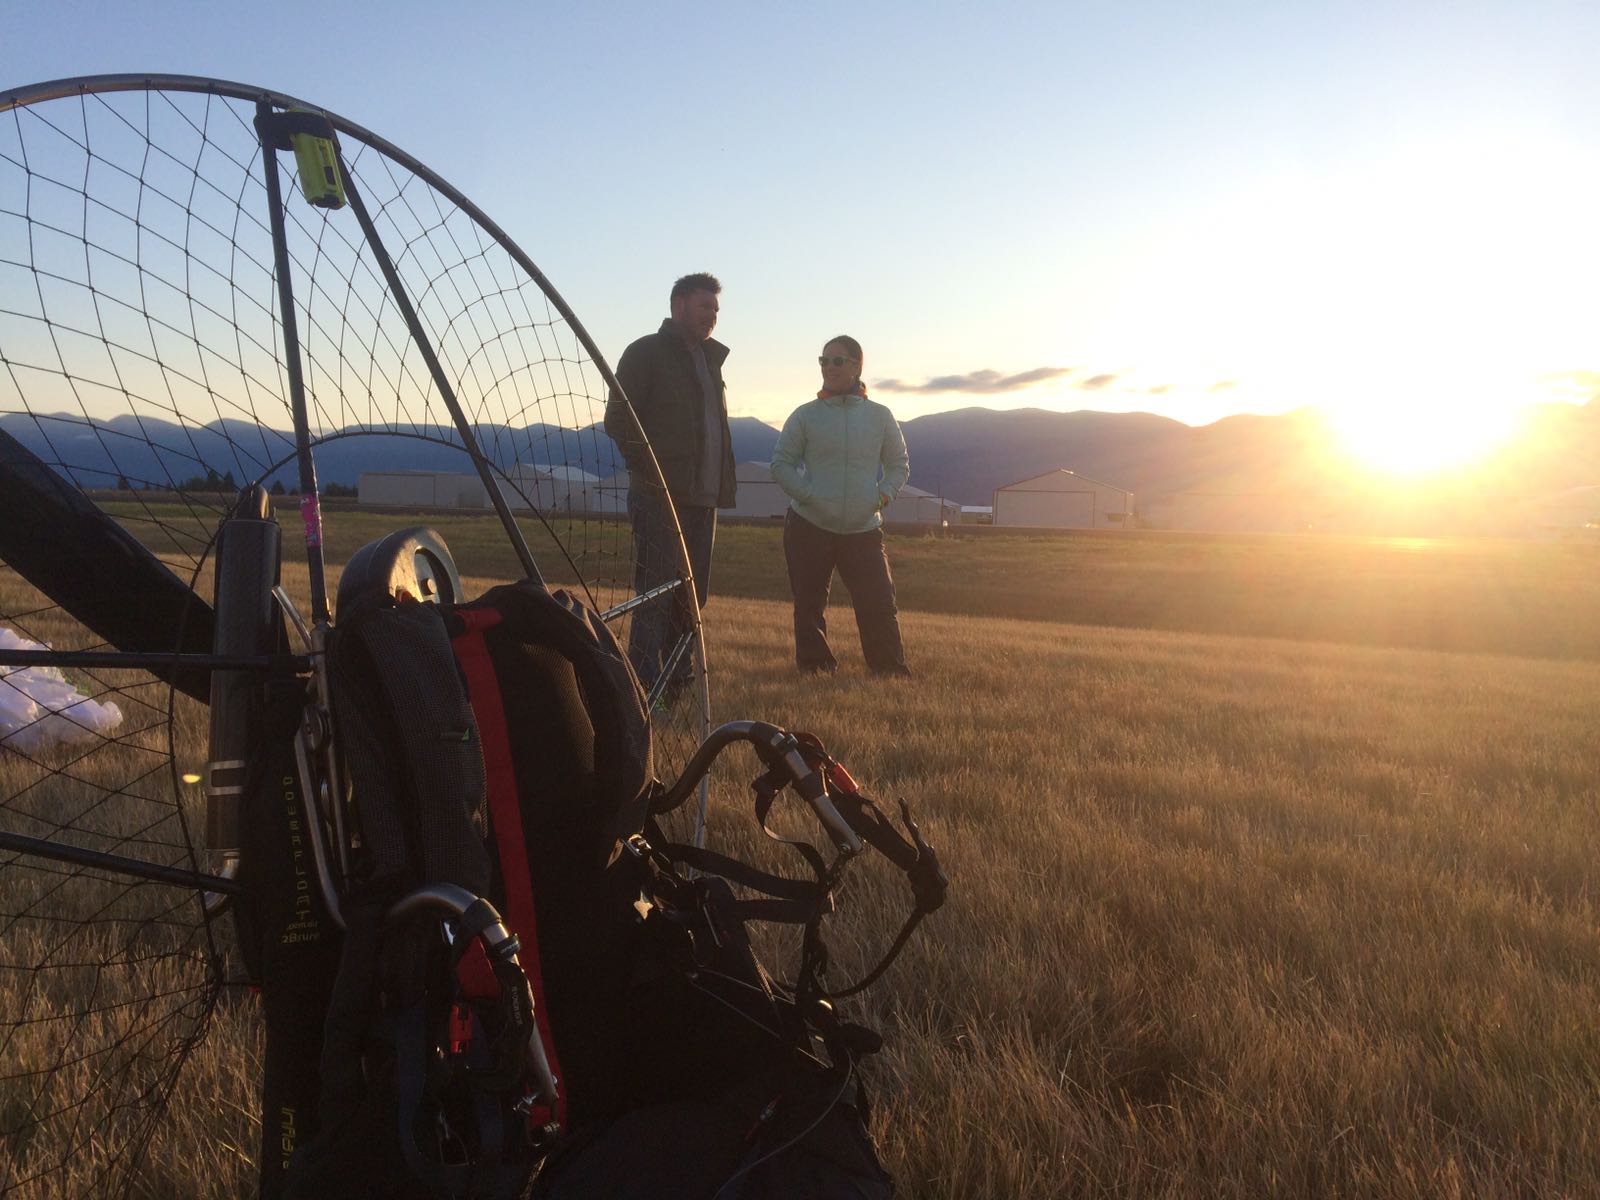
(673, 380)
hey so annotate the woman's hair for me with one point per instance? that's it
(848, 342)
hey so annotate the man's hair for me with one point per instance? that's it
(848, 342)
(700, 281)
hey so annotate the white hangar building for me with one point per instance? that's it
(562, 488)
(548, 488)
(1063, 499)
(759, 496)
(421, 489)
(913, 506)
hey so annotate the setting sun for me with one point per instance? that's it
(1418, 437)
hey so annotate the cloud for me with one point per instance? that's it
(1583, 383)
(1223, 385)
(989, 383)
(983, 382)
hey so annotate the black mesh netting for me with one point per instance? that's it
(142, 363)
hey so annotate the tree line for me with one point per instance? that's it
(211, 481)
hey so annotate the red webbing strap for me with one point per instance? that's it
(483, 692)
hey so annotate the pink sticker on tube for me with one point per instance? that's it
(311, 516)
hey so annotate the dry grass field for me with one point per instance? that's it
(1234, 916)
(1529, 598)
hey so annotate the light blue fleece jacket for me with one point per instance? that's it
(835, 457)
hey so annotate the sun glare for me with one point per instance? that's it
(1407, 436)
(1415, 296)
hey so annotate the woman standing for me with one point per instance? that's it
(841, 459)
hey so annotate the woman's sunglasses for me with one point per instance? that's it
(835, 360)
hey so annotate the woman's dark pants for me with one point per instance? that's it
(812, 554)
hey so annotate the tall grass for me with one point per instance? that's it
(1232, 916)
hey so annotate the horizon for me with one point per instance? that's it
(776, 423)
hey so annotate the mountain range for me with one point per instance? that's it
(963, 455)
(967, 453)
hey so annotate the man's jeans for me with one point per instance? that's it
(657, 627)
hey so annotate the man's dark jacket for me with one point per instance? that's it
(659, 378)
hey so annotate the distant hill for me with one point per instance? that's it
(753, 440)
(145, 450)
(963, 455)
(968, 453)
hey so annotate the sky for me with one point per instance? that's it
(1384, 209)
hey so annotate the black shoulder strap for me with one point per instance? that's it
(611, 690)
(412, 746)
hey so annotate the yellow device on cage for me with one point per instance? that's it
(318, 165)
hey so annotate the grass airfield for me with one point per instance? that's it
(1301, 906)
